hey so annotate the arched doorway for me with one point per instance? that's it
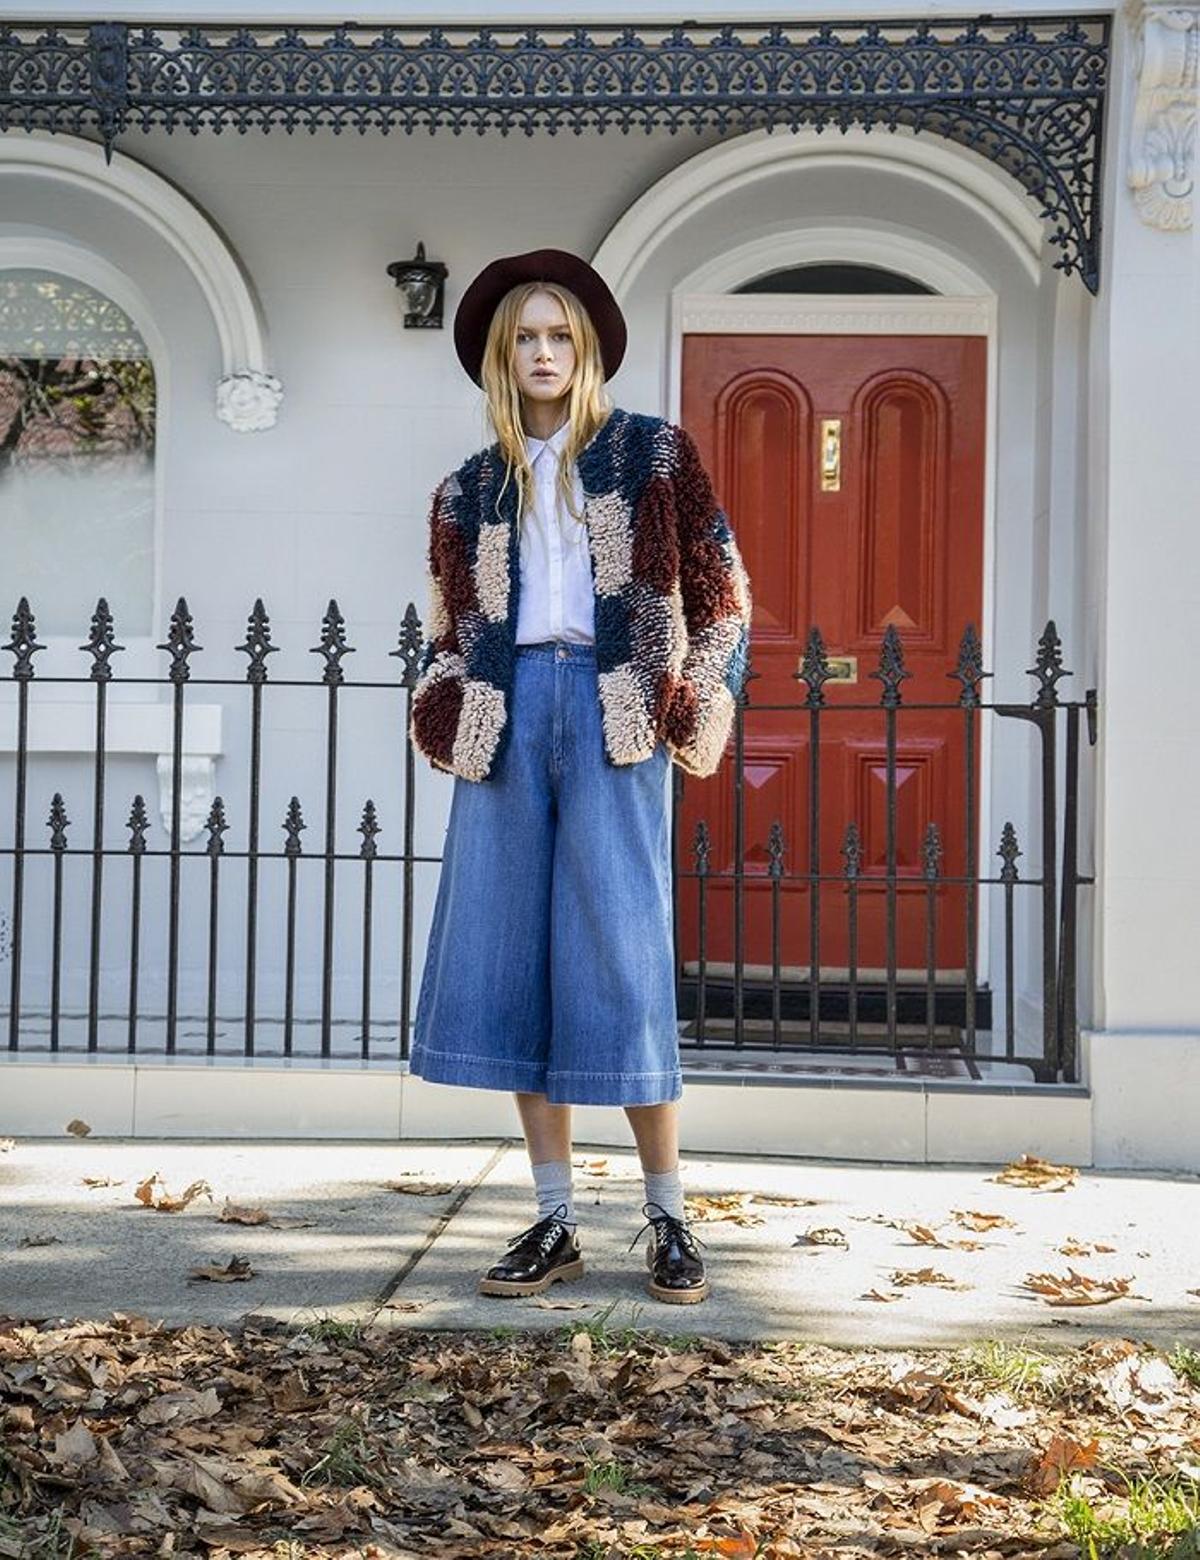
(876, 271)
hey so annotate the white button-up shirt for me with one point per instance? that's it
(557, 596)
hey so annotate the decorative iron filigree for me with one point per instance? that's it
(1028, 95)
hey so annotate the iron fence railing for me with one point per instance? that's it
(309, 951)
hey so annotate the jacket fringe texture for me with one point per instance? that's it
(672, 604)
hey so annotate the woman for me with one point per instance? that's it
(589, 623)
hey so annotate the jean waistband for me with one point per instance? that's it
(559, 649)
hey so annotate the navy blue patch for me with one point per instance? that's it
(736, 667)
(620, 454)
(613, 644)
(490, 658)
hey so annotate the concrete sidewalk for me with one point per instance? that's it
(361, 1250)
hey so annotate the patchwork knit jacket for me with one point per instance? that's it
(672, 604)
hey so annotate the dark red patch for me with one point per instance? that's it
(704, 575)
(450, 562)
(435, 715)
(655, 553)
(681, 717)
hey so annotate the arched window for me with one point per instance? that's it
(77, 450)
(834, 277)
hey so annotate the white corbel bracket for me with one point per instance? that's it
(1162, 154)
(66, 727)
(197, 781)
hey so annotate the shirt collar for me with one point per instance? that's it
(555, 442)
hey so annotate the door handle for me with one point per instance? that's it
(831, 454)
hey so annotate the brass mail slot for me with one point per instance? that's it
(831, 454)
(843, 667)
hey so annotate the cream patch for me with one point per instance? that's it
(703, 756)
(480, 722)
(439, 617)
(491, 571)
(610, 529)
(628, 730)
(679, 631)
(445, 663)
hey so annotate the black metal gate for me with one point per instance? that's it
(308, 919)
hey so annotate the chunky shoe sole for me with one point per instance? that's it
(531, 1286)
(673, 1296)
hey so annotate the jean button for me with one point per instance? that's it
(562, 652)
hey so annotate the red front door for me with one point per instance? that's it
(851, 468)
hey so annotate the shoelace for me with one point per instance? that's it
(666, 1226)
(548, 1227)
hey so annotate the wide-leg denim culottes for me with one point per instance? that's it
(550, 961)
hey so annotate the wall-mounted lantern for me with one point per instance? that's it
(422, 282)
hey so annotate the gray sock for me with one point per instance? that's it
(552, 1181)
(665, 1188)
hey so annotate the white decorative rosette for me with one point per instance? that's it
(249, 400)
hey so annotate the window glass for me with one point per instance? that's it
(77, 436)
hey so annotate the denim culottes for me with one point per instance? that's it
(550, 965)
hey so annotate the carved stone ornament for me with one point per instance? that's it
(1162, 158)
(249, 400)
(197, 778)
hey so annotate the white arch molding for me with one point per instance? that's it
(248, 394)
(711, 176)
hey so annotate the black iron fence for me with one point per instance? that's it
(250, 942)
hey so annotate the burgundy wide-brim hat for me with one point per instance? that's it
(477, 305)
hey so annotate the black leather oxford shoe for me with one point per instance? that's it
(546, 1251)
(676, 1267)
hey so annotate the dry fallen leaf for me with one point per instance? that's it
(1142, 1383)
(904, 1277)
(1039, 1175)
(591, 1166)
(236, 1268)
(876, 1294)
(1061, 1457)
(232, 1214)
(546, 1304)
(165, 1203)
(782, 1200)
(101, 1180)
(982, 1223)
(707, 1207)
(78, 1128)
(421, 1188)
(824, 1236)
(1074, 1288)
(922, 1235)
(1073, 1247)
(741, 1546)
(38, 1240)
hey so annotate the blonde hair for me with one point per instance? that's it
(589, 405)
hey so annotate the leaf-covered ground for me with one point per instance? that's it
(124, 1437)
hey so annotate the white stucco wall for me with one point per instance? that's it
(1094, 484)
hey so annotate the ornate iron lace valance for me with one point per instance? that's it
(1027, 94)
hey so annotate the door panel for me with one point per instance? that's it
(851, 468)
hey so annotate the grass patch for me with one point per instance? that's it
(1185, 1362)
(327, 1329)
(346, 1459)
(599, 1475)
(1153, 1518)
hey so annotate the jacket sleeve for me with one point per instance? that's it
(438, 690)
(717, 608)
